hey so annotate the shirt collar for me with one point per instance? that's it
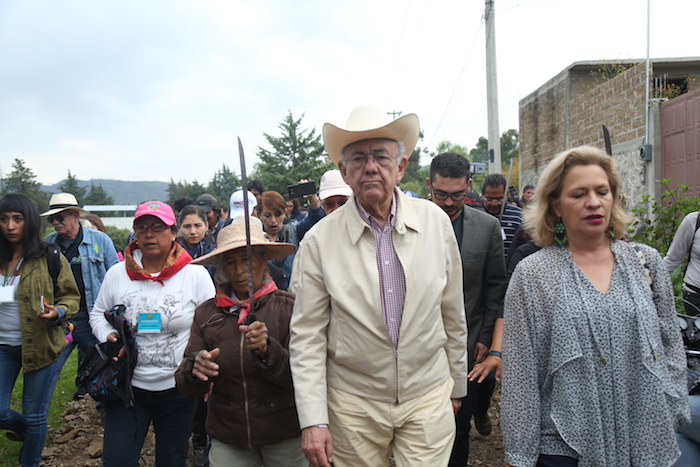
(371, 220)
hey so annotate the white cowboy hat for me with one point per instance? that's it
(63, 202)
(232, 237)
(370, 122)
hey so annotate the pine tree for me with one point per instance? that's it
(22, 180)
(70, 185)
(296, 154)
(223, 184)
(98, 196)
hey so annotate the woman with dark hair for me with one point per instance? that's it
(193, 230)
(594, 370)
(160, 290)
(32, 308)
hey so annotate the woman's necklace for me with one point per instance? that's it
(10, 276)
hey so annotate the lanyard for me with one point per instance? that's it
(8, 279)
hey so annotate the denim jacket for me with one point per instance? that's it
(97, 254)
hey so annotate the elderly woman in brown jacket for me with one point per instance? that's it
(243, 357)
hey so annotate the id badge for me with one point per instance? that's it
(8, 293)
(149, 323)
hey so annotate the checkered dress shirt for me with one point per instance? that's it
(392, 282)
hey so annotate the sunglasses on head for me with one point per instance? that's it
(58, 217)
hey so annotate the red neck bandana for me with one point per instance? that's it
(223, 300)
(177, 259)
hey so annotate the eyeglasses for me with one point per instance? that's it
(58, 217)
(358, 161)
(442, 196)
(155, 227)
(331, 203)
(488, 199)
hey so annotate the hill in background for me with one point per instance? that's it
(123, 192)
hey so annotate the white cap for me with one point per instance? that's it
(332, 184)
(236, 204)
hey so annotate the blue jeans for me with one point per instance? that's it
(36, 398)
(126, 429)
(688, 437)
(82, 337)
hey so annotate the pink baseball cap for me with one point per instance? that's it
(158, 209)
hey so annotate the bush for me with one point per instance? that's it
(118, 236)
(674, 206)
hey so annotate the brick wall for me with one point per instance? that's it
(565, 113)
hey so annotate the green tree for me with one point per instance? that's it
(668, 212)
(296, 154)
(510, 145)
(195, 190)
(70, 185)
(98, 195)
(184, 188)
(413, 167)
(480, 153)
(449, 146)
(22, 180)
(223, 184)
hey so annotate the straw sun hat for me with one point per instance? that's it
(232, 237)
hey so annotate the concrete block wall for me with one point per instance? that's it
(562, 114)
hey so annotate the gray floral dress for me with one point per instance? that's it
(595, 376)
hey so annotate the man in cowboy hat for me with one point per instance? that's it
(90, 253)
(378, 334)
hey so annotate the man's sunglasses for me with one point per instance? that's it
(58, 217)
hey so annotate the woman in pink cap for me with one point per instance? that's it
(160, 289)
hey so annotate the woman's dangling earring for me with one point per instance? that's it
(611, 231)
(560, 232)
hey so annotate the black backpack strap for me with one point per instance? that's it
(53, 258)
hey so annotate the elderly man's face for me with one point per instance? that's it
(66, 223)
(372, 170)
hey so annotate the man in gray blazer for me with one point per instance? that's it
(484, 277)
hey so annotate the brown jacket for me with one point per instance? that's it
(252, 401)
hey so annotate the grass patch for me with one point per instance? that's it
(65, 387)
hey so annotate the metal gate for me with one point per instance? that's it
(680, 131)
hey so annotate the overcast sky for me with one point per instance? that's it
(154, 89)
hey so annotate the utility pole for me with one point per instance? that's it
(494, 133)
(395, 114)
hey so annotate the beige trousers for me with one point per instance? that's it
(419, 432)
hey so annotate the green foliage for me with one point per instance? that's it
(668, 214)
(480, 153)
(607, 72)
(70, 185)
(510, 145)
(118, 236)
(223, 184)
(184, 188)
(22, 180)
(62, 395)
(665, 90)
(449, 146)
(296, 154)
(98, 196)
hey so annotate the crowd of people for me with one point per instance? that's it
(366, 323)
